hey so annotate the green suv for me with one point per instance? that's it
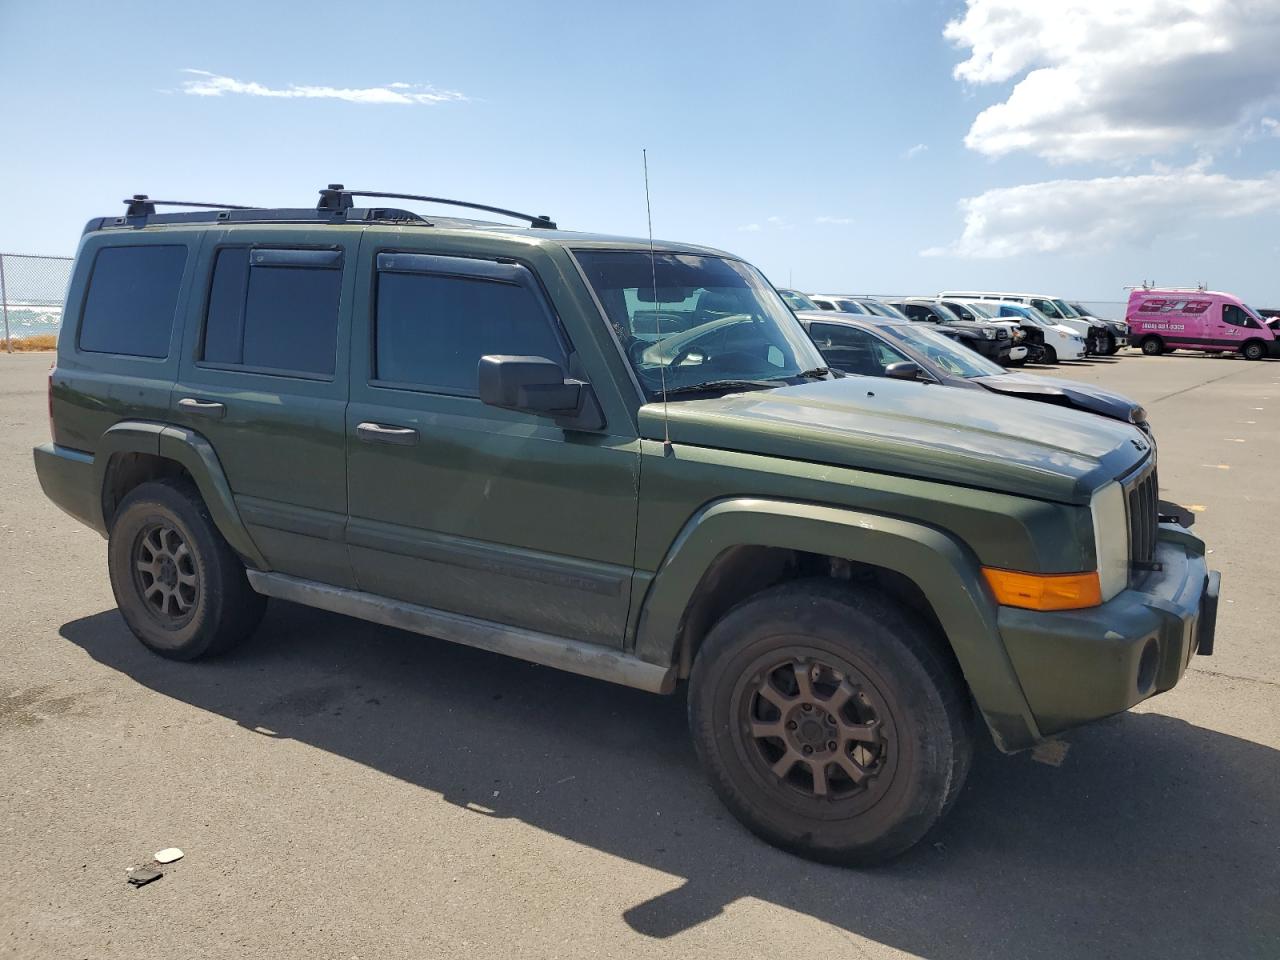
(622, 459)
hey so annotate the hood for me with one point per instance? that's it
(1070, 393)
(967, 437)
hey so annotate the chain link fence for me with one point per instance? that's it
(32, 292)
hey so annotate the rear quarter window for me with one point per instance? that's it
(131, 301)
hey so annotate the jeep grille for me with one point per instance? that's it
(1140, 500)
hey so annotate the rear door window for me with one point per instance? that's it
(131, 300)
(274, 310)
(431, 327)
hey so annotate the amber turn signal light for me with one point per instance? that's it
(1035, 591)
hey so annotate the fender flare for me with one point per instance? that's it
(944, 570)
(195, 455)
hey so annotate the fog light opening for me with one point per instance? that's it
(1147, 667)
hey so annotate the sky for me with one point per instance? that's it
(897, 146)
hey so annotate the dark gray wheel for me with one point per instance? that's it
(1254, 350)
(829, 721)
(1050, 354)
(1153, 346)
(165, 574)
(181, 589)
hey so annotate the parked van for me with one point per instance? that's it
(1195, 319)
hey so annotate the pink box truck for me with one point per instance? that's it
(1194, 319)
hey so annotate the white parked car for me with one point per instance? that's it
(1100, 336)
(1061, 342)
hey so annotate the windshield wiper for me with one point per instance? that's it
(712, 386)
(817, 373)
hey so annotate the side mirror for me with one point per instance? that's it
(539, 386)
(902, 370)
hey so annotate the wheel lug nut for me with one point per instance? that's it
(806, 708)
(791, 724)
(831, 744)
(808, 750)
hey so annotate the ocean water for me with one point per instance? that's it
(26, 319)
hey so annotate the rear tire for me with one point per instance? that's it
(179, 586)
(829, 722)
(1254, 350)
(1152, 346)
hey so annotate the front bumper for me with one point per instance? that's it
(1081, 665)
(1018, 352)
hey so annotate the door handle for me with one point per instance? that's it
(381, 433)
(205, 408)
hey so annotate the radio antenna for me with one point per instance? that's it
(657, 313)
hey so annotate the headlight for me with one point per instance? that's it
(1111, 539)
(989, 333)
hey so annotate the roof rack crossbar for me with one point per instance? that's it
(140, 205)
(337, 197)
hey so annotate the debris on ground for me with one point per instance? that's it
(141, 876)
(168, 855)
(1051, 752)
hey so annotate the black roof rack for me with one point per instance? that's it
(140, 205)
(338, 197)
(335, 207)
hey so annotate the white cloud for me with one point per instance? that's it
(1271, 125)
(1105, 80)
(1085, 216)
(912, 152)
(833, 220)
(206, 84)
(769, 223)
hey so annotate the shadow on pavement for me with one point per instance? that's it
(1155, 838)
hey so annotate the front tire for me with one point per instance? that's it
(829, 722)
(1253, 350)
(1050, 354)
(179, 586)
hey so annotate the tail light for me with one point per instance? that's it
(53, 367)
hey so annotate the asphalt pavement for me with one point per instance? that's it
(344, 790)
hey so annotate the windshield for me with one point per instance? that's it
(1254, 313)
(948, 315)
(797, 301)
(942, 350)
(1026, 312)
(981, 310)
(706, 320)
(1067, 309)
(883, 309)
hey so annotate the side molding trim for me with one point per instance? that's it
(543, 648)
